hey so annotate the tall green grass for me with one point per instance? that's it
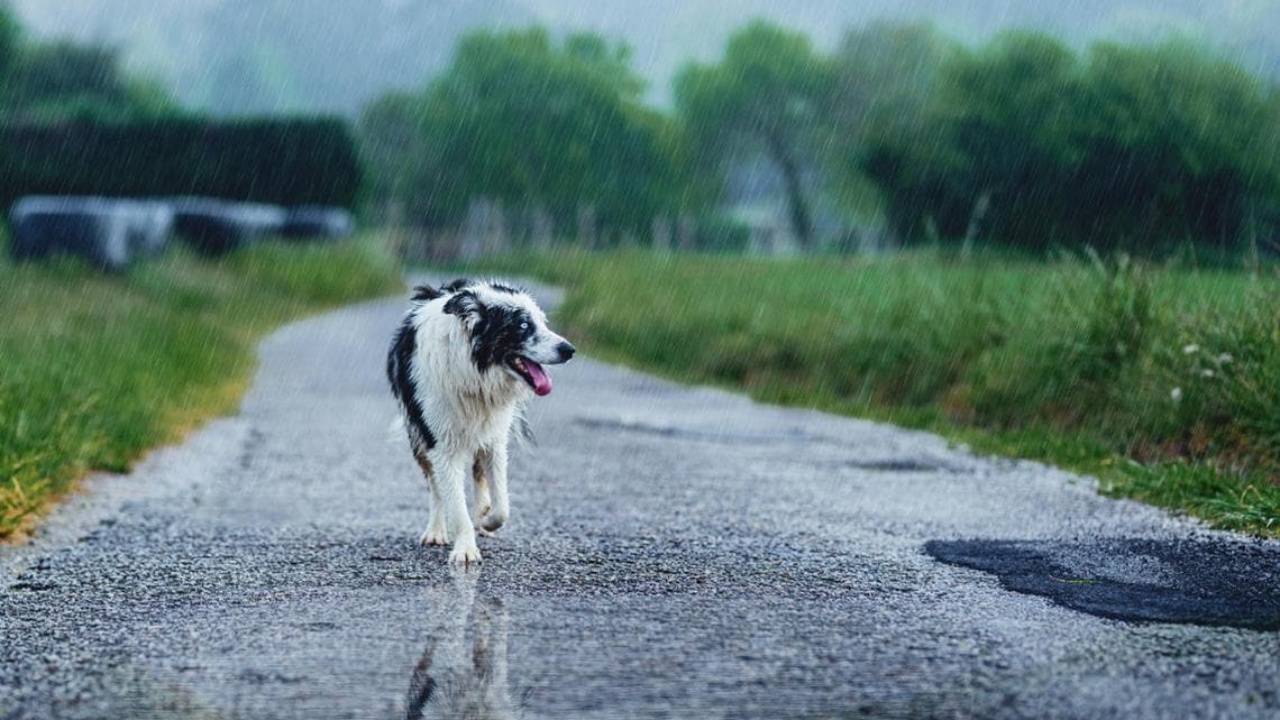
(95, 369)
(1164, 382)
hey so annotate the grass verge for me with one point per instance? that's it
(1162, 382)
(97, 368)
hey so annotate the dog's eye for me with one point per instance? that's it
(524, 326)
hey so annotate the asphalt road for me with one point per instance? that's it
(672, 552)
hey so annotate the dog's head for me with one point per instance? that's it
(508, 331)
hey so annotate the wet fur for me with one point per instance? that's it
(450, 369)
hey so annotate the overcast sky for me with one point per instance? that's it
(336, 54)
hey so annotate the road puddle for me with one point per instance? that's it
(463, 670)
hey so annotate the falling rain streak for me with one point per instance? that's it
(1032, 230)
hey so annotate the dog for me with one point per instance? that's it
(462, 364)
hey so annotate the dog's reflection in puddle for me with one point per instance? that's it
(463, 672)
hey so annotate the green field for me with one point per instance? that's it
(97, 369)
(1162, 382)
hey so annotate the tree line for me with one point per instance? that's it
(75, 121)
(47, 82)
(1021, 141)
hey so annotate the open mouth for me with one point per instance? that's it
(532, 373)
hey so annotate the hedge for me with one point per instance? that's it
(304, 161)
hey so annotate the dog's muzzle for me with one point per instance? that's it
(532, 372)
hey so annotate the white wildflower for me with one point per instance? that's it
(1190, 349)
(1176, 394)
(1225, 358)
(1206, 373)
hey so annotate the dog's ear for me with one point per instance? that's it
(463, 304)
(456, 285)
(426, 293)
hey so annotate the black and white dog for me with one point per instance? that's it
(462, 364)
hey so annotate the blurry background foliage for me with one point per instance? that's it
(59, 80)
(898, 136)
(1129, 147)
(534, 122)
(1021, 142)
(286, 161)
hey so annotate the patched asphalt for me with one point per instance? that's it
(1233, 584)
(673, 552)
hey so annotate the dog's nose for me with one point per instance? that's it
(566, 351)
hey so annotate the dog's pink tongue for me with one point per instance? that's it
(541, 381)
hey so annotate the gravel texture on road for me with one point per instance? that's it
(672, 552)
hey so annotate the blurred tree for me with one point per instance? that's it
(1024, 142)
(887, 73)
(988, 142)
(389, 132)
(538, 125)
(1009, 109)
(770, 93)
(64, 80)
(10, 39)
(1177, 144)
(886, 76)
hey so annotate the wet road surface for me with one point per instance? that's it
(672, 552)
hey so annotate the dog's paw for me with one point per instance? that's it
(465, 554)
(492, 521)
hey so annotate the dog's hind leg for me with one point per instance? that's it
(437, 533)
(479, 472)
(496, 471)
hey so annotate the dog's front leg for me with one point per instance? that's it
(496, 470)
(451, 478)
